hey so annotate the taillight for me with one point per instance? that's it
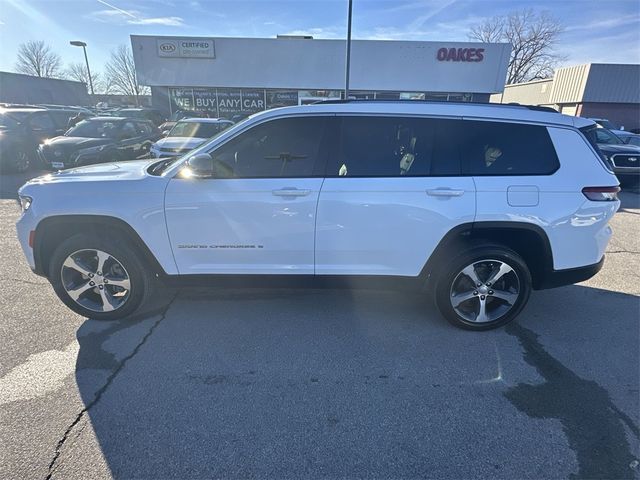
(601, 194)
(32, 236)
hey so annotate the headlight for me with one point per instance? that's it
(25, 202)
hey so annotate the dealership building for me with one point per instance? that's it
(231, 77)
(592, 90)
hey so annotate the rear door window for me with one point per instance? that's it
(501, 148)
(61, 117)
(395, 147)
(41, 121)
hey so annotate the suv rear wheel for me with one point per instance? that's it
(99, 279)
(483, 288)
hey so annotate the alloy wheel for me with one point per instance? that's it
(95, 280)
(485, 291)
(22, 161)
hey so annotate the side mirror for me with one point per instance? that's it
(622, 127)
(199, 166)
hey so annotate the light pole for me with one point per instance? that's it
(346, 82)
(77, 43)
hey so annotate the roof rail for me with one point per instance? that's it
(436, 102)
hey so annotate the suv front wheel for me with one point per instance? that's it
(484, 287)
(99, 279)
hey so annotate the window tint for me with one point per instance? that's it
(144, 128)
(128, 131)
(62, 117)
(395, 146)
(41, 121)
(605, 136)
(497, 148)
(280, 148)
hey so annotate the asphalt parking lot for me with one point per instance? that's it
(255, 383)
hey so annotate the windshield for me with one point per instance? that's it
(608, 124)
(17, 116)
(196, 129)
(6, 121)
(93, 129)
(605, 137)
(598, 135)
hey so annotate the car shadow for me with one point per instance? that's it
(629, 201)
(240, 383)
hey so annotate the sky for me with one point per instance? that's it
(606, 31)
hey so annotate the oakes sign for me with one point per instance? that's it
(460, 54)
(186, 47)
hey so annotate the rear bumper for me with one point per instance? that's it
(559, 278)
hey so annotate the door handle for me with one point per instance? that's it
(291, 192)
(445, 192)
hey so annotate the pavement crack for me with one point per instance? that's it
(623, 251)
(29, 282)
(102, 390)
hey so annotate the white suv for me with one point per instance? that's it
(478, 204)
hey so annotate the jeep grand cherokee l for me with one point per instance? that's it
(475, 204)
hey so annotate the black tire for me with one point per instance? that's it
(140, 280)
(485, 257)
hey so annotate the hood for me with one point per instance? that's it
(180, 142)
(78, 142)
(607, 148)
(133, 170)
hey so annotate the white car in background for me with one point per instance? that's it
(188, 134)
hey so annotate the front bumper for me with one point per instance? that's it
(24, 226)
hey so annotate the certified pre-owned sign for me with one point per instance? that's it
(186, 47)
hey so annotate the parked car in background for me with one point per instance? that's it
(98, 140)
(624, 159)
(609, 125)
(628, 137)
(187, 134)
(67, 107)
(23, 129)
(180, 115)
(632, 139)
(154, 116)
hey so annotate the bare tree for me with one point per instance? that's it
(78, 72)
(36, 58)
(533, 38)
(121, 74)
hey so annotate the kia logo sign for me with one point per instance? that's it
(460, 54)
(167, 47)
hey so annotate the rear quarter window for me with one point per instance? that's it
(500, 148)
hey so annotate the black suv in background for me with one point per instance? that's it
(23, 129)
(624, 159)
(151, 114)
(99, 140)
